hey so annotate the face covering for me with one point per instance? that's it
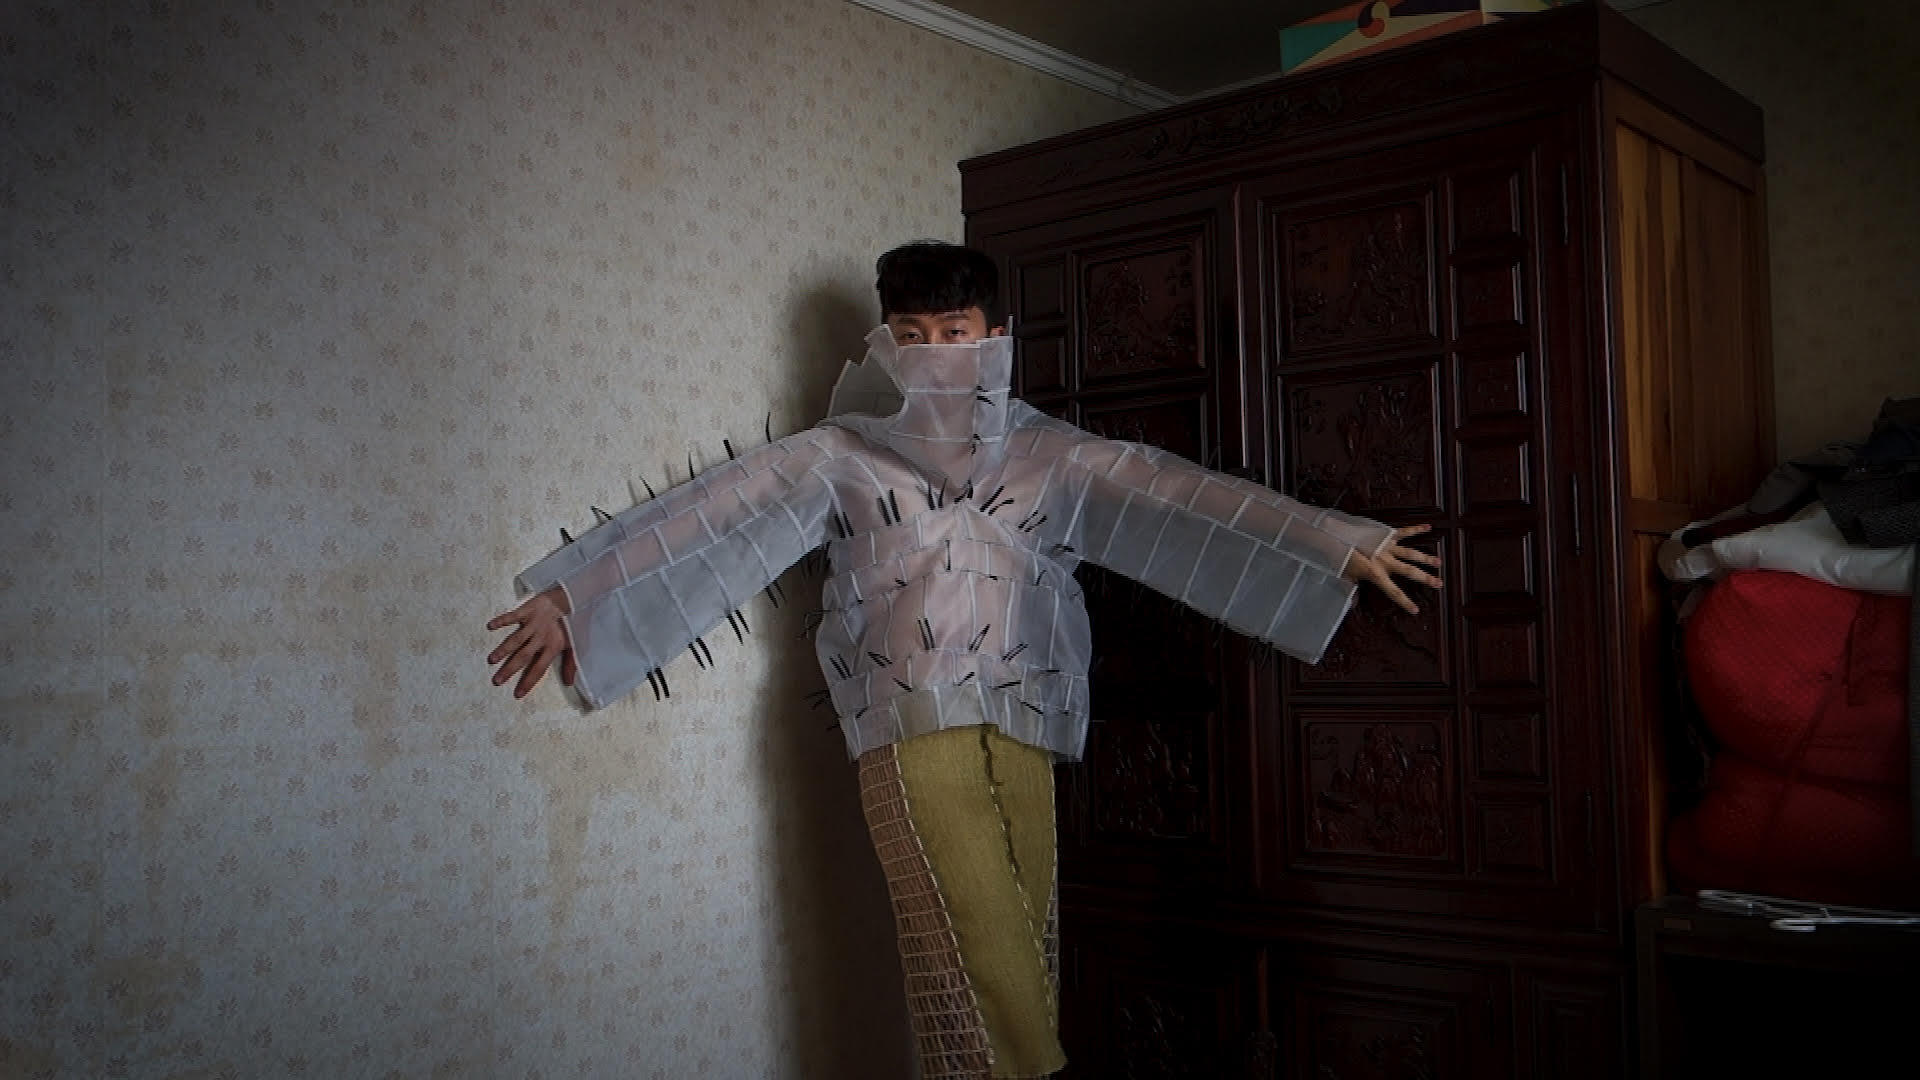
(945, 408)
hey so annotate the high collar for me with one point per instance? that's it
(942, 407)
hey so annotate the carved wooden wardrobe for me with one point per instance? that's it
(1511, 283)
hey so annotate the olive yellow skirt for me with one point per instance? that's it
(962, 820)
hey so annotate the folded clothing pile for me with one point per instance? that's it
(1803, 686)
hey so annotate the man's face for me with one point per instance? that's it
(962, 327)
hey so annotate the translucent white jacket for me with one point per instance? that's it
(954, 516)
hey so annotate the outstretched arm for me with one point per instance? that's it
(626, 597)
(1268, 565)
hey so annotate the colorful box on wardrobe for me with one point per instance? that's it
(1378, 25)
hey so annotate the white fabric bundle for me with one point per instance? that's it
(1809, 545)
(954, 516)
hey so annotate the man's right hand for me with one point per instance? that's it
(531, 649)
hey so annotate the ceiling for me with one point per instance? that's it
(1182, 47)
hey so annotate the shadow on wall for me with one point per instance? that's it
(846, 1007)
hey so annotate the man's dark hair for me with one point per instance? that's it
(929, 276)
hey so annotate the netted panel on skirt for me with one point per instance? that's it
(1050, 939)
(949, 1031)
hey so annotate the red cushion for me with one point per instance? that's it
(1756, 831)
(1803, 677)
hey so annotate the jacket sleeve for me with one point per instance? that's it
(643, 585)
(1266, 565)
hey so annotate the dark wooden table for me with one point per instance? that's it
(1725, 994)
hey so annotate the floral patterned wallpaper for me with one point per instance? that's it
(318, 320)
(1841, 93)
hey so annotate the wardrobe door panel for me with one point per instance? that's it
(1431, 763)
(1358, 274)
(1152, 1005)
(1143, 299)
(1125, 297)
(1120, 320)
(1367, 1017)
(1378, 792)
(1368, 438)
(1573, 1025)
